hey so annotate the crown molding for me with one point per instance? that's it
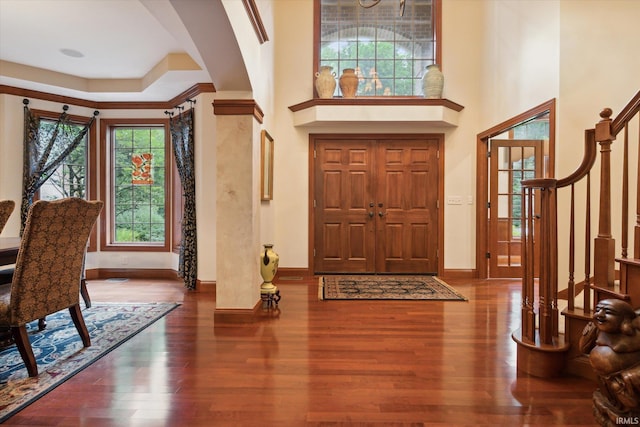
(192, 92)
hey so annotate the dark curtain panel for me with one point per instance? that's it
(44, 151)
(183, 150)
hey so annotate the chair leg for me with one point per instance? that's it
(85, 293)
(78, 321)
(24, 347)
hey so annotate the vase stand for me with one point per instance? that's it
(270, 297)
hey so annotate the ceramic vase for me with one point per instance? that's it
(348, 83)
(325, 82)
(268, 267)
(433, 82)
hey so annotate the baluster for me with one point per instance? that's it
(586, 292)
(528, 292)
(571, 295)
(625, 193)
(544, 305)
(553, 258)
(636, 234)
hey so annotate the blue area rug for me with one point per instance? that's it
(59, 351)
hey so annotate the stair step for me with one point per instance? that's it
(603, 292)
(581, 367)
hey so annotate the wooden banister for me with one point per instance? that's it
(626, 115)
(539, 337)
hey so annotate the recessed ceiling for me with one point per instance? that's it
(99, 50)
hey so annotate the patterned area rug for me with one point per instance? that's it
(59, 351)
(370, 287)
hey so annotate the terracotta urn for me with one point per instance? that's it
(349, 83)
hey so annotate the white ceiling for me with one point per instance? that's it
(125, 46)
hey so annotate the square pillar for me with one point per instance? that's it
(237, 208)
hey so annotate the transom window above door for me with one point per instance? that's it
(389, 43)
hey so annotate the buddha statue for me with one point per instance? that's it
(612, 340)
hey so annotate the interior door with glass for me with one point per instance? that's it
(511, 162)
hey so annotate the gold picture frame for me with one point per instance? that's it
(266, 166)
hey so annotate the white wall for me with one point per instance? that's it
(599, 63)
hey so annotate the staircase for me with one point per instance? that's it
(542, 349)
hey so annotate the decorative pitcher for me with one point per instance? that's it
(268, 267)
(325, 82)
(433, 82)
(349, 83)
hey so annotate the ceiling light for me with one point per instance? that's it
(72, 53)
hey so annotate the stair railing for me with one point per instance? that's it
(540, 312)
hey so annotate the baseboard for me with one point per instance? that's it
(209, 284)
(458, 274)
(131, 273)
(293, 274)
(235, 316)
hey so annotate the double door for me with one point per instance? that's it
(376, 205)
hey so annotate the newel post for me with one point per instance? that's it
(604, 244)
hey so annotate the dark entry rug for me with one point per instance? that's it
(59, 352)
(382, 287)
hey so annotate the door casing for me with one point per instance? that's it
(482, 174)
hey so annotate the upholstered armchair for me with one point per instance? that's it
(48, 270)
(6, 207)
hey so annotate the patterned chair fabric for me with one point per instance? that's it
(48, 269)
(6, 207)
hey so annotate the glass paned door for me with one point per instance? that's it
(512, 161)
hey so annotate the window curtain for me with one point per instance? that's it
(182, 138)
(44, 151)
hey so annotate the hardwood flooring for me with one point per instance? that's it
(316, 363)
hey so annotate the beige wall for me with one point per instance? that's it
(501, 57)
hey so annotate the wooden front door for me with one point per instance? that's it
(512, 161)
(375, 205)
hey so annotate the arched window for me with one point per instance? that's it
(389, 43)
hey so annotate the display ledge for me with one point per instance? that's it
(399, 110)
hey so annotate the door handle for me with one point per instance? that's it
(370, 214)
(380, 214)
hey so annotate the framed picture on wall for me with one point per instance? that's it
(266, 167)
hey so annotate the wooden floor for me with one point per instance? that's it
(316, 363)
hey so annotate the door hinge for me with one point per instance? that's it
(314, 252)
(437, 154)
(437, 204)
(314, 153)
(489, 205)
(488, 255)
(488, 153)
(314, 203)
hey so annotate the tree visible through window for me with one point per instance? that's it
(70, 178)
(389, 51)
